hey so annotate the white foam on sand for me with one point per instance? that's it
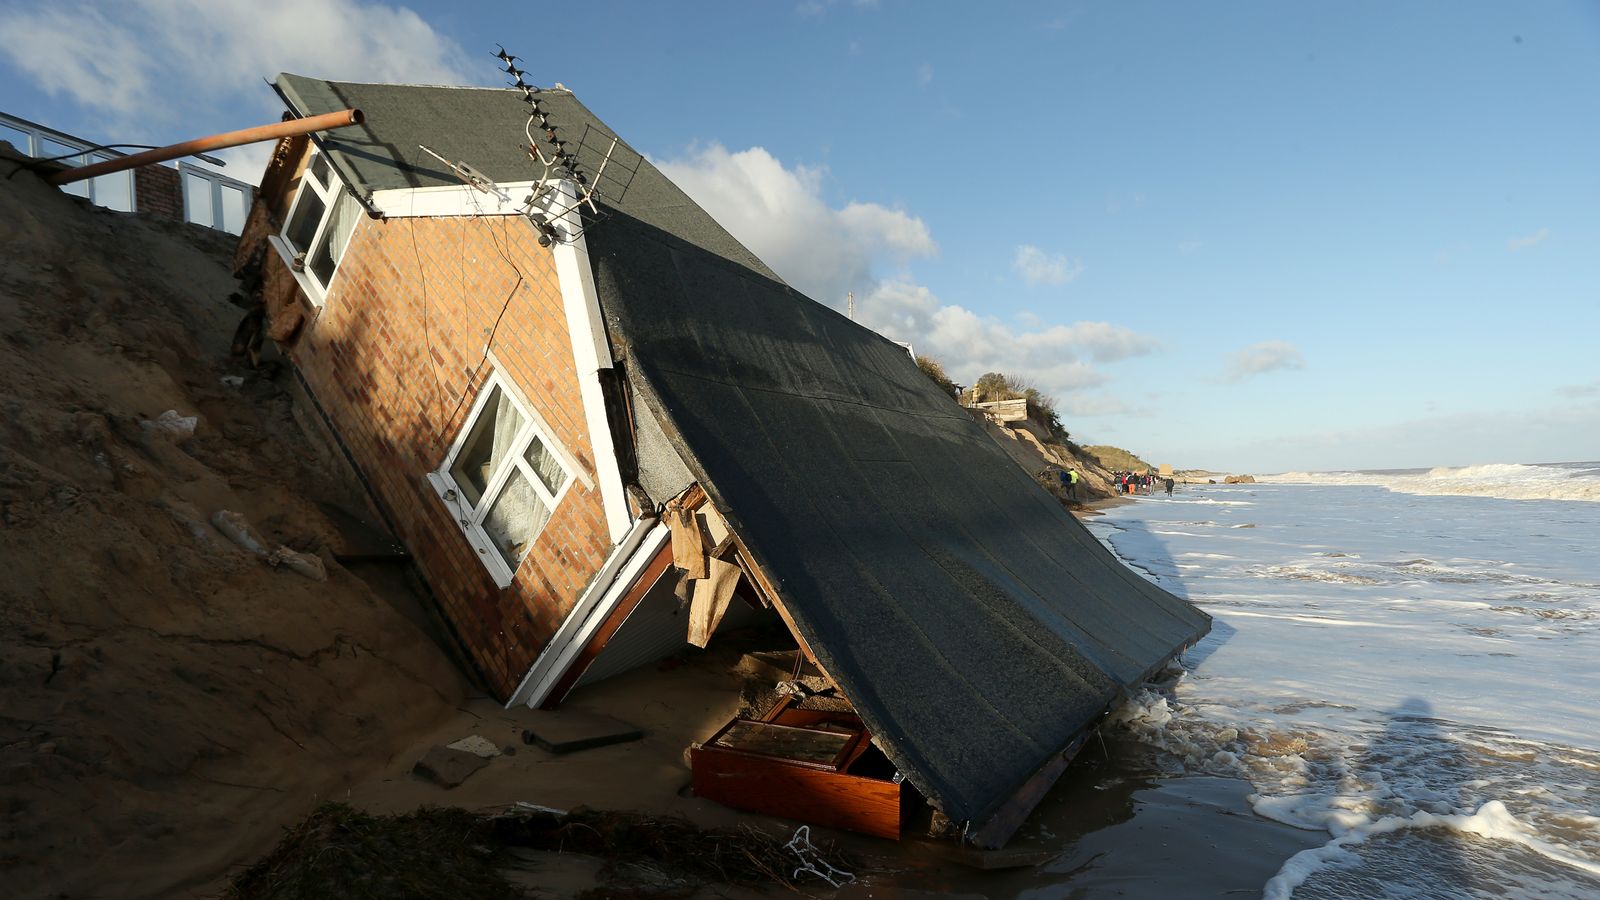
(1413, 675)
(1491, 820)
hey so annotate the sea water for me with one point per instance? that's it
(1407, 661)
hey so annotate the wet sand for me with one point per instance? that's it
(1124, 823)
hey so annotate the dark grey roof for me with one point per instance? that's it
(484, 127)
(976, 625)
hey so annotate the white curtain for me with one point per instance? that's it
(517, 514)
(546, 466)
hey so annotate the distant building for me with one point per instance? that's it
(185, 193)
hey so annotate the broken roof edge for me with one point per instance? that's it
(347, 173)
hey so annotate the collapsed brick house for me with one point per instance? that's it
(585, 419)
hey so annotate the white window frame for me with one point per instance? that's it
(298, 259)
(470, 517)
(216, 182)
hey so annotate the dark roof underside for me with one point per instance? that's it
(976, 626)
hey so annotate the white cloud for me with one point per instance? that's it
(924, 74)
(1189, 246)
(1523, 243)
(1257, 359)
(1038, 267)
(1058, 358)
(158, 60)
(779, 213)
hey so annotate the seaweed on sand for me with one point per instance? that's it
(341, 852)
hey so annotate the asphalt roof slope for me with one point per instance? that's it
(485, 128)
(975, 624)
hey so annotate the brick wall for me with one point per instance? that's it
(391, 359)
(158, 192)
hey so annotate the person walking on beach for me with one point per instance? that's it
(1169, 487)
(1072, 483)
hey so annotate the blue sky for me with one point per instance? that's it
(1251, 237)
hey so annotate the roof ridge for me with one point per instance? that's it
(559, 88)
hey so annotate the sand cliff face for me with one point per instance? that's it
(167, 699)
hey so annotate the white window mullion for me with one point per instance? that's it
(450, 491)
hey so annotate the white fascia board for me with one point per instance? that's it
(591, 351)
(616, 577)
(453, 200)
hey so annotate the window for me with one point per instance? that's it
(214, 200)
(319, 226)
(113, 191)
(502, 479)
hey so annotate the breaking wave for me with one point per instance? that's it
(1505, 481)
(1397, 798)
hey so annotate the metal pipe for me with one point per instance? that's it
(215, 142)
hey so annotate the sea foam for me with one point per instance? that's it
(1412, 675)
(1505, 481)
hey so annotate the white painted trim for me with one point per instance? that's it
(568, 461)
(616, 577)
(591, 351)
(286, 253)
(470, 519)
(453, 200)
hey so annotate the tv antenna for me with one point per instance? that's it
(558, 156)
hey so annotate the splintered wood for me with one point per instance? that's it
(709, 581)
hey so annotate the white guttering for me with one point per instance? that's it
(453, 200)
(616, 577)
(591, 351)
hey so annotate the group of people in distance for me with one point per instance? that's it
(1140, 482)
(1122, 482)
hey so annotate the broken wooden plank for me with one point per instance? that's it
(1001, 824)
(710, 600)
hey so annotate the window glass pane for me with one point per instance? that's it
(304, 220)
(16, 138)
(330, 248)
(319, 169)
(544, 465)
(488, 445)
(515, 519)
(49, 149)
(114, 191)
(197, 199)
(235, 207)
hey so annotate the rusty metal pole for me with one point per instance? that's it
(215, 142)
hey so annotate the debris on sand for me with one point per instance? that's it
(433, 852)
